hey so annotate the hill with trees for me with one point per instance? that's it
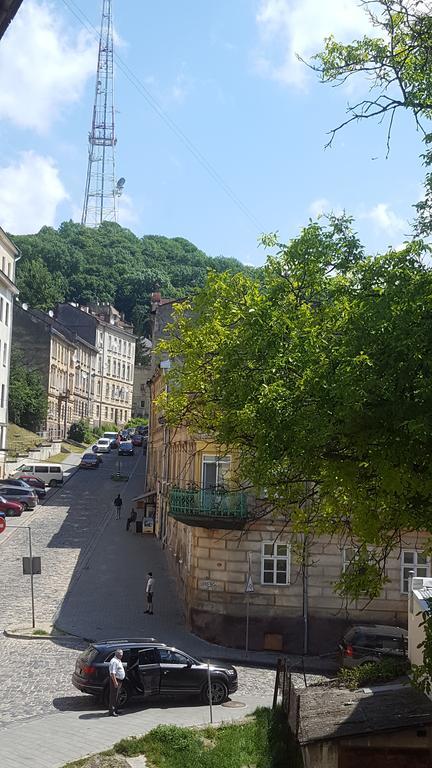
(111, 264)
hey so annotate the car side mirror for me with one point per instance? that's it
(189, 663)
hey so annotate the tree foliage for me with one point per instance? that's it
(110, 264)
(397, 64)
(321, 375)
(27, 396)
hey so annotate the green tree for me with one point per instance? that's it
(321, 376)
(27, 396)
(38, 287)
(396, 63)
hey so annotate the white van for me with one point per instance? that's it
(50, 474)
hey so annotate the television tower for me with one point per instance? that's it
(101, 190)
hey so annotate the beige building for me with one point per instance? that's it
(8, 291)
(110, 371)
(219, 545)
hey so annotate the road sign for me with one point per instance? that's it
(2, 524)
(249, 586)
(31, 565)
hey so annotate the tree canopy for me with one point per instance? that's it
(27, 395)
(320, 373)
(396, 62)
(110, 264)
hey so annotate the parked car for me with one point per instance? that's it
(90, 461)
(161, 670)
(50, 474)
(124, 435)
(29, 480)
(25, 496)
(114, 444)
(126, 449)
(103, 445)
(9, 508)
(362, 644)
(142, 430)
(137, 440)
(110, 435)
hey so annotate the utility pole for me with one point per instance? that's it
(101, 190)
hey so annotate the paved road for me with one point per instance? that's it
(92, 581)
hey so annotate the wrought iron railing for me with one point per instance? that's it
(209, 503)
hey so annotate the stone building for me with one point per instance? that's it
(66, 362)
(103, 327)
(8, 256)
(219, 543)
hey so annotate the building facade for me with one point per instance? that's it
(110, 373)
(220, 544)
(8, 290)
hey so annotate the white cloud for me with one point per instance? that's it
(385, 219)
(318, 207)
(127, 214)
(42, 67)
(30, 191)
(291, 27)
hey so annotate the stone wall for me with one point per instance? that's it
(212, 566)
(38, 454)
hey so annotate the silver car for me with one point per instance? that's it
(25, 496)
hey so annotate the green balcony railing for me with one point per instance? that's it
(219, 503)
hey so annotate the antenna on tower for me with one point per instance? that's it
(101, 190)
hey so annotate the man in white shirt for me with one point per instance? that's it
(149, 592)
(117, 675)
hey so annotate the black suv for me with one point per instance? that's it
(362, 644)
(152, 668)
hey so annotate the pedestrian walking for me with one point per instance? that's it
(118, 502)
(117, 675)
(149, 592)
(131, 519)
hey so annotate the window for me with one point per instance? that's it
(2, 402)
(4, 353)
(167, 656)
(1, 308)
(215, 470)
(7, 313)
(416, 562)
(142, 403)
(148, 657)
(275, 563)
(43, 469)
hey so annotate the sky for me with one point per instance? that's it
(225, 74)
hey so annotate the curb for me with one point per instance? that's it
(20, 636)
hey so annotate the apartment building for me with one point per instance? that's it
(8, 290)
(221, 544)
(111, 372)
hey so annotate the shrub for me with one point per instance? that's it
(373, 672)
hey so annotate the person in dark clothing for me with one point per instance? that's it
(131, 519)
(118, 503)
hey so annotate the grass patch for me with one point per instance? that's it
(57, 458)
(261, 741)
(20, 440)
(373, 672)
(84, 761)
(40, 632)
(71, 448)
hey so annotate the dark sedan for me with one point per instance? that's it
(25, 496)
(89, 461)
(126, 449)
(152, 669)
(137, 440)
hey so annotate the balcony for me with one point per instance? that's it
(217, 508)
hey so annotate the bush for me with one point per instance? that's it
(137, 422)
(373, 672)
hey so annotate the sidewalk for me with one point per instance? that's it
(51, 741)
(107, 596)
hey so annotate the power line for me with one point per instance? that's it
(169, 122)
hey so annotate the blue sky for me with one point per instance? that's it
(225, 72)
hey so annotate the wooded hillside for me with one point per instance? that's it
(110, 264)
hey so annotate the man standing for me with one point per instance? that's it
(149, 592)
(117, 675)
(118, 501)
(131, 519)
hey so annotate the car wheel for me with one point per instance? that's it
(124, 696)
(10, 513)
(53, 483)
(219, 692)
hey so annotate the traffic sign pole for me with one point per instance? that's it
(249, 589)
(31, 578)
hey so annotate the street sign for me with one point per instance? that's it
(2, 524)
(31, 565)
(249, 586)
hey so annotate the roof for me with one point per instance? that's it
(8, 9)
(332, 713)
